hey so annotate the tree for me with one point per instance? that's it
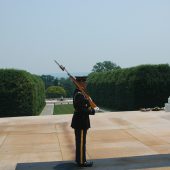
(105, 66)
(48, 80)
(56, 82)
(68, 85)
(55, 92)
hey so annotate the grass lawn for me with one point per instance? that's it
(63, 109)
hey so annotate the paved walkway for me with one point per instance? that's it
(117, 140)
(48, 109)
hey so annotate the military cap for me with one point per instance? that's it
(81, 78)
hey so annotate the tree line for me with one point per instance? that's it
(63, 87)
(56, 87)
(115, 88)
(118, 88)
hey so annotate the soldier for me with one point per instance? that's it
(81, 123)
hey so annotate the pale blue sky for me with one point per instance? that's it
(80, 33)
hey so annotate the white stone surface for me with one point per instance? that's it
(48, 109)
(45, 139)
(167, 106)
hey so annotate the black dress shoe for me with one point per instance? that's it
(86, 164)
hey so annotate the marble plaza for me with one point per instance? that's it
(112, 135)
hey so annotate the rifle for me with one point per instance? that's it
(73, 79)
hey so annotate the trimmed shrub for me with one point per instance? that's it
(55, 92)
(131, 88)
(21, 93)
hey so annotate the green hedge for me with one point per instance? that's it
(131, 88)
(21, 93)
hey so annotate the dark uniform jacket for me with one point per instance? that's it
(82, 111)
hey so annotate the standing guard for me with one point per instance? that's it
(81, 122)
(84, 106)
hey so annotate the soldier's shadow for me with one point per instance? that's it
(47, 166)
(122, 163)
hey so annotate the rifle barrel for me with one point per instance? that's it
(62, 68)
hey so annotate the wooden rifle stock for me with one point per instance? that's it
(73, 79)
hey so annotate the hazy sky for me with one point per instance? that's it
(80, 33)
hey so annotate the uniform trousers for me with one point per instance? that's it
(80, 138)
